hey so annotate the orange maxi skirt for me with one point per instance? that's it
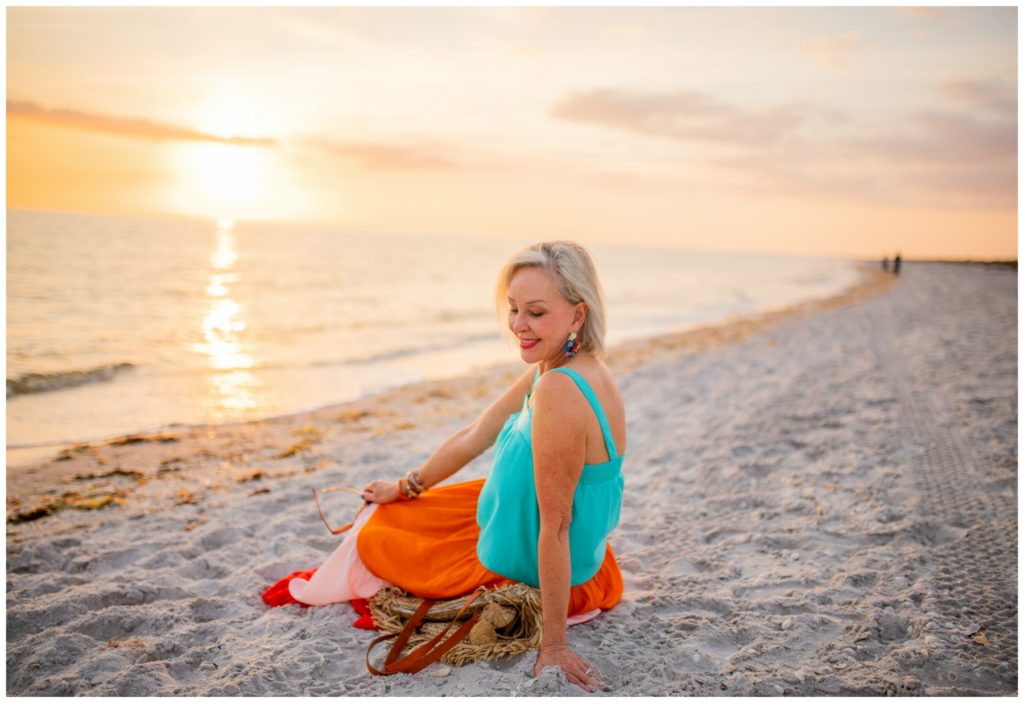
(428, 548)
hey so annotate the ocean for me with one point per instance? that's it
(118, 325)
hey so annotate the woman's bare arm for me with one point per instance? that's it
(559, 449)
(463, 446)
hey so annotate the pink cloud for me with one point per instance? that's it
(685, 115)
(928, 13)
(390, 156)
(997, 96)
(130, 127)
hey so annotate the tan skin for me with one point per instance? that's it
(566, 435)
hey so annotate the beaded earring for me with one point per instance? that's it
(571, 346)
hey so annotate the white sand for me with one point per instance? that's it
(825, 506)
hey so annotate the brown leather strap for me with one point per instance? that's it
(399, 645)
(372, 669)
(420, 659)
(406, 633)
(427, 653)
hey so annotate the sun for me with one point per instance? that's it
(228, 114)
(241, 171)
(231, 176)
(226, 182)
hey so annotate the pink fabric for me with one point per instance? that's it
(583, 617)
(343, 577)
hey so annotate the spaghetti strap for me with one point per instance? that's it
(595, 405)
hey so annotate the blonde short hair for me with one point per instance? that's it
(573, 272)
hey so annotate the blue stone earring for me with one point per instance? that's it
(571, 346)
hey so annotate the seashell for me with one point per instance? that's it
(483, 633)
(498, 616)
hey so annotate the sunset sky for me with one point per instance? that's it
(846, 131)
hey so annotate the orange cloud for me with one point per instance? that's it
(832, 51)
(390, 157)
(123, 126)
(682, 115)
(930, 13)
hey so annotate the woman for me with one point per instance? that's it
(543, 515)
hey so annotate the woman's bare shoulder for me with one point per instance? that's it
(601, 379)
(593, 371)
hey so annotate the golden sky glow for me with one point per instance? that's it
(850, 131)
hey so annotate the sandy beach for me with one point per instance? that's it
(819, 501)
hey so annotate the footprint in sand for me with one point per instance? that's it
(756, 470)
(202, 569)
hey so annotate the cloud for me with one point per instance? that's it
(927, 13)
(944, 137)
(374, 155)
(995, 187)
(931, 158)
(686, 115)
(832, 51)
(994, 95)
(124, 126)
(390, 157)
(962, 156)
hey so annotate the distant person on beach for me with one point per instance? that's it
(885, 264)
(554, 493)
(896, 264)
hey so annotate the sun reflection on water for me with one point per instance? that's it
(236, 390)
(224, 256)
(234, 387)
(218, 287)
(220, 329)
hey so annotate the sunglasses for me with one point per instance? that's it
(348, 525)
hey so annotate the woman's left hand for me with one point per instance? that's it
(380, 491)
(577, 669)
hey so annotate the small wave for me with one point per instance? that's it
(371, 359)
(461, 315)
(43, 382)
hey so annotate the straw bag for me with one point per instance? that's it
(490, 624)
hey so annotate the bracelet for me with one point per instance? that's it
(404, 490)
(411, 485)
(415, 481)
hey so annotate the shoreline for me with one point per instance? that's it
(27, 454)
(349, 340)
(39, 484)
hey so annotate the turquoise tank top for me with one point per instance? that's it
(507, 511)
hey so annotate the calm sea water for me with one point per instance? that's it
(118, 325)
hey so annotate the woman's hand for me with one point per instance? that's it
(576, 668)
(380, 491)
